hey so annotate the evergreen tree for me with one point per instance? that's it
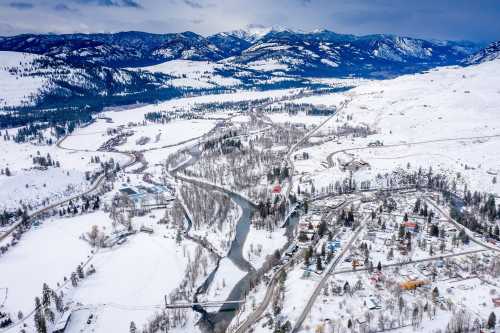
(49, 314)
(492, 320)
(133, 328)
(79, 271)
(40, 324)
(435, 293)
(319, 266)
(46, 292)
(178, 237)
(322, 228)
(74, 279)
(308, 255)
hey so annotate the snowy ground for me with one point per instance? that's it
(160, 135)
(17, 89)
(408, 114)
(196, 74)
(301, 118)
(224, 280)
(53, 250)
(440, 119)
(34, 186)
(131, 281)
(261, 243)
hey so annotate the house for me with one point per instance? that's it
(373, 304)
(147, 230)
(496, 301)
(375, 143)
(353, 165)
(410, 226)
(413, 284)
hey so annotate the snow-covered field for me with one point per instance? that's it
(196, 74)
(33, 186)
(447, 119)
(16, 89)
(301, 118)
(326, 100)
(131, 281)
(161, 135)
(46, 254)
(261, 243)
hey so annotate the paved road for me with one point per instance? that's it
(301, 141)
(257, 313)
(271, 288)
(324, 279)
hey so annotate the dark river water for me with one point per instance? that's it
(219, 320)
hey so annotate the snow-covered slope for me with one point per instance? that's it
(29, 80)
(197, 74)
(16, 87)
(447, 119)
(489, 53)
(325, 53)
(448, 102)
(123, 49)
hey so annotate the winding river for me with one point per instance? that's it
(222, 318)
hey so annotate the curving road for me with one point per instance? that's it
(132, 160)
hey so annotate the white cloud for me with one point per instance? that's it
(427, 18)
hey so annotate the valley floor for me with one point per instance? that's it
(198, 210)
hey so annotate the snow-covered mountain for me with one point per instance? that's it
(325, 53)
(318, 53)
(489, 53)
(82, 69)
(252, 33)
(229, 44)
(123, 49)
(31, 80)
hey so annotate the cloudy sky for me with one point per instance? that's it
(477, 20)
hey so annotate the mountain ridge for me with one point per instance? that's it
(491, 52)
(109, 69)
(136, 49)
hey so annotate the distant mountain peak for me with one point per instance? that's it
(254, 32)
(491, 52)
